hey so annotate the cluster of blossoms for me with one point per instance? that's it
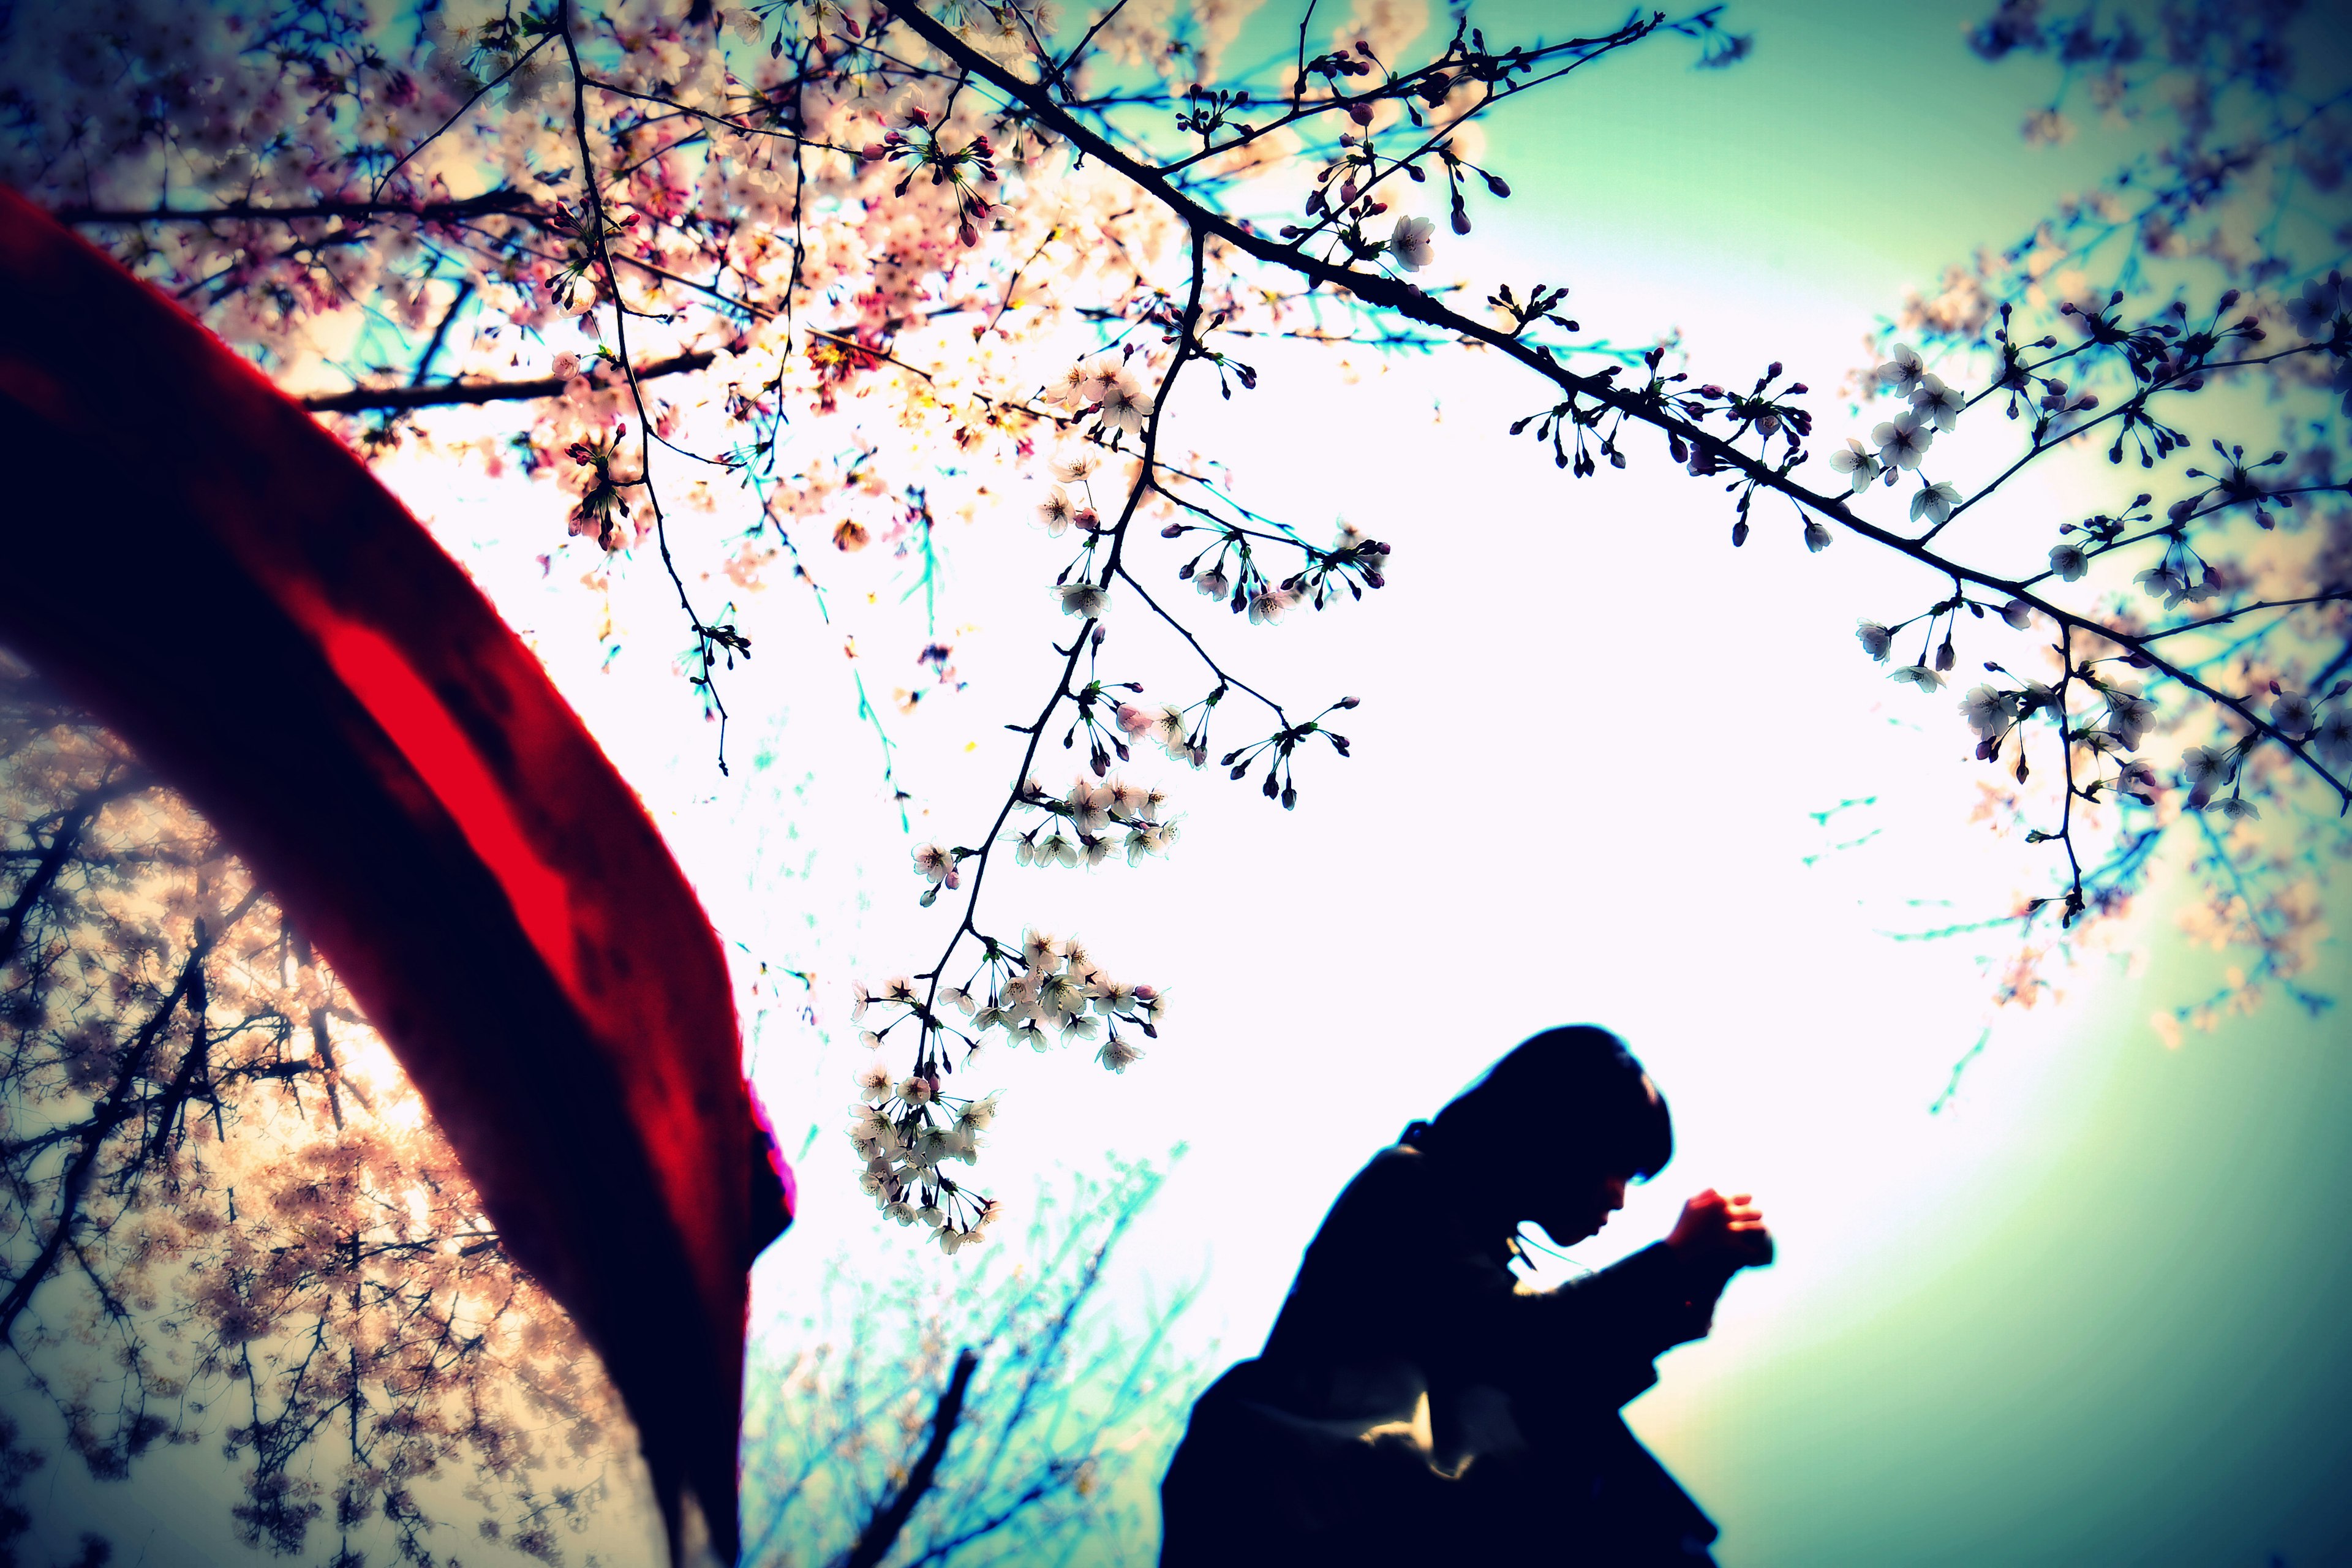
(1175, 731)
(1046, 991)
(1587, 427)
(1083, 586)
(964, 169)
(1097, 816)
(2242, 122)
(1235, 577)
(1936, 657)
(1897, 445)
(2100, 720)
(2322, 311)
(1105, 388)
(905, 1130)
(2157, 351)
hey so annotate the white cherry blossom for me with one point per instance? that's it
(1854, 460)
(1935, 502)
(1409, 243)
(2315, 308)
(2332, 738)
(1933, 400)
(1902, 370)
(1125, 405)
(1986, 710)
(2206, 768)
(1903, 440)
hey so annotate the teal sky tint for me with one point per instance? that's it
(1857, 151)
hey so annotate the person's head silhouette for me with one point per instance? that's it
(1553, 1133)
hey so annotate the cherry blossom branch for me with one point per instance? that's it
(2333, 597)
(706, 636)
(464, 291)
(617, 90)
(110, 1115)
(463, 109)
(470, 394)
(1061, 73)
(504, 201)
(2065, 833)
(1187, 348)
(2176, 529)
(1185, 632)
(1442, 72)
(1650, 409)
(72, 821)
(2045, 442)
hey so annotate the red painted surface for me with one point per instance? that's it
(397, 698)
(231, 590)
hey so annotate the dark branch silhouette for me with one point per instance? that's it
(882, 1532)
(447, 394)
(511, 202)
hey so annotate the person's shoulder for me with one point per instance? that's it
(1398, 1165)
(1389, 1201)
(1397, 1177)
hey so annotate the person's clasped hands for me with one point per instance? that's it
(1720, 1235)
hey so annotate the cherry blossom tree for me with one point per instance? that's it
(227, 1215)
(2184, 326)
(770, 290)
(825, 255)
(837, 270)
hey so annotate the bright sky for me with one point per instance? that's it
(2086, 1312)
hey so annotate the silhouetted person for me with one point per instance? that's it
(1414, 1404)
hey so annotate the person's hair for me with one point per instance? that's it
(1579, 1088)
